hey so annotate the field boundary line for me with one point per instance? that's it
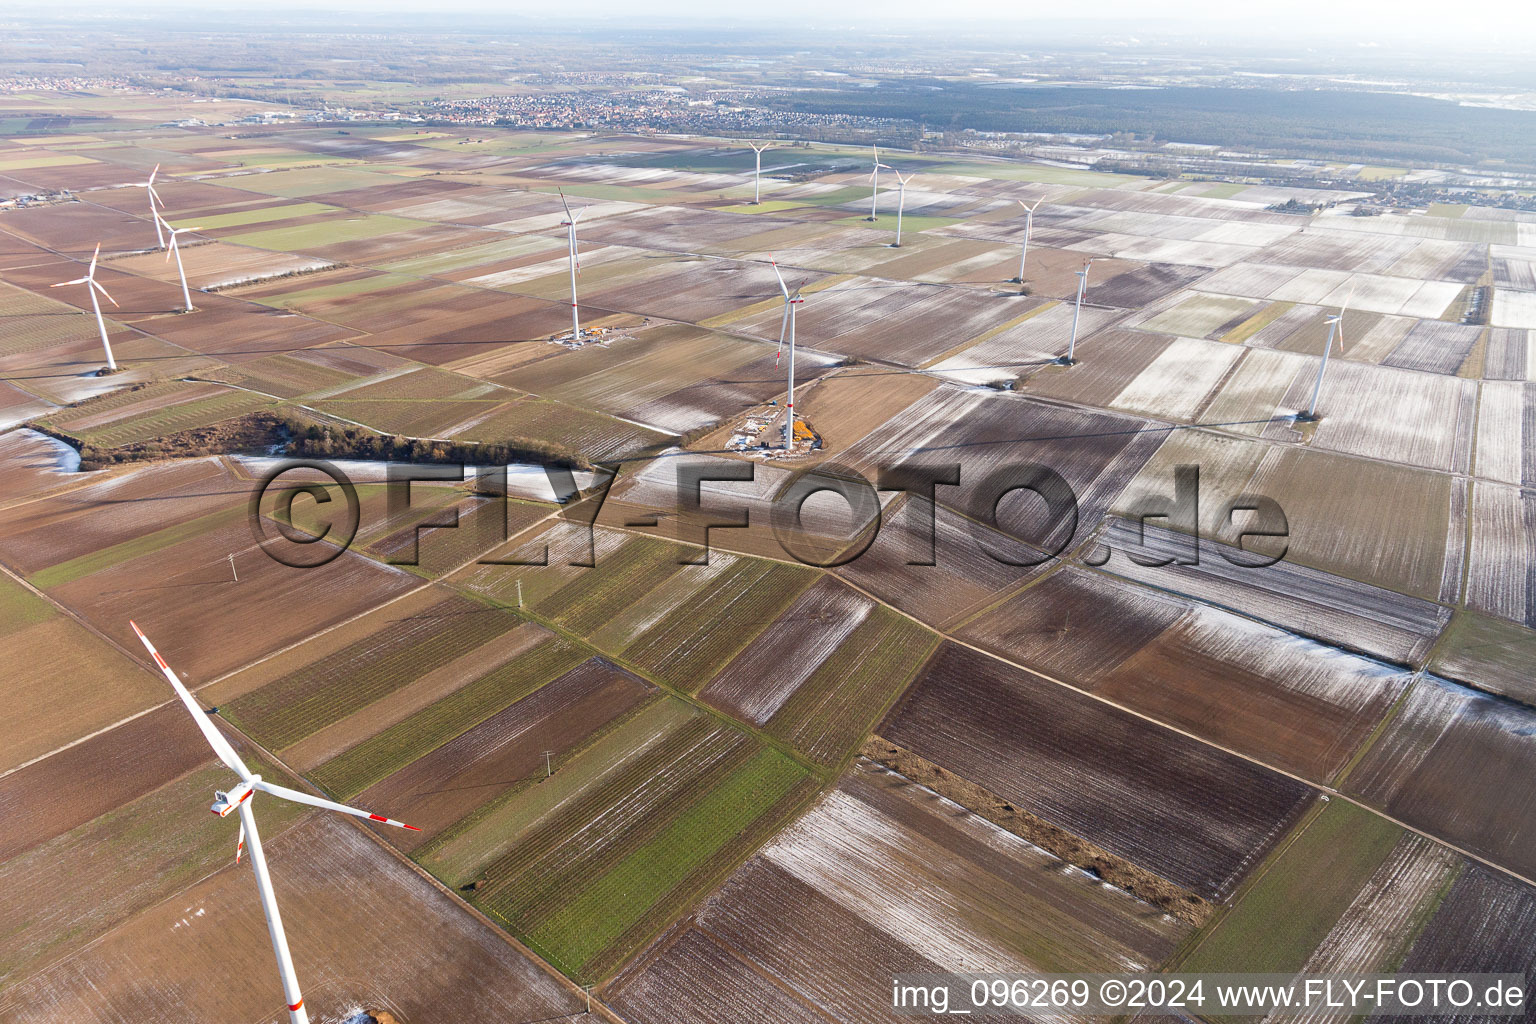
(1342, 775)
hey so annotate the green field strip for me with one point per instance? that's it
(830, 713)
(582, 930)
(240, 218)
(705, 878)
(116, 554)
(329, 231)
(592, 834)
(766, 206)
(909, 223)
(385, 753)
(695, 640)
(330, 292)
(459, 853)
(41, 161)
(594, 598)
(20, 608)
(160, 423)
(1451, 210)
(301, 703)
(113, 400)
(511, 247)
(1278, 922)
(1254, 324)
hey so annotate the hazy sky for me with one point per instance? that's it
(1496, 23)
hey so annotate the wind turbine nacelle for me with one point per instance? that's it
(225, 803)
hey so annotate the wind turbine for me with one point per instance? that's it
(173, 247)
(787, 329)
(1335, 329)
(874, 183)
(570, 225)
(1077, 311)
(238, 798)
(93, 286)
(757, 175)
(1029, 228)
(901, 200)
(154, 200)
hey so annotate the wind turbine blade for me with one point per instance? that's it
(216, 740)
(170, 246)
(152, 174)
(783, 333)
(564, 203)
(78, 280)
(240, 843)
(97, 285)
(330, 805)
(775, 265)
(1347, 300)
(154, 197)
(94, 255)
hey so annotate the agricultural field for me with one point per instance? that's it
(988, 432)
(477, 764)
(1499, 566)
(1283, 699)
(1446, 737)
(1346, 894)
(1391, 526)
(882, 877)
(306, 700)
(753, 784)
(1334, 610)
(1494, 654)
(973, 716)
(611, 864)
(821, 673)
(390, 937)
(85, 686)
(884, 321)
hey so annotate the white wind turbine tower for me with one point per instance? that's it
(154, 201)
(874, 184)
(901, 200)
(1029, 229)
(757, 175)
(238, 798)
(787, 329)
(1082, 286)
(172, 246)
(93, 286)
(570, 225)
(1335, 329)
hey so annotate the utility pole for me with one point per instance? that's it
(548, 767)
